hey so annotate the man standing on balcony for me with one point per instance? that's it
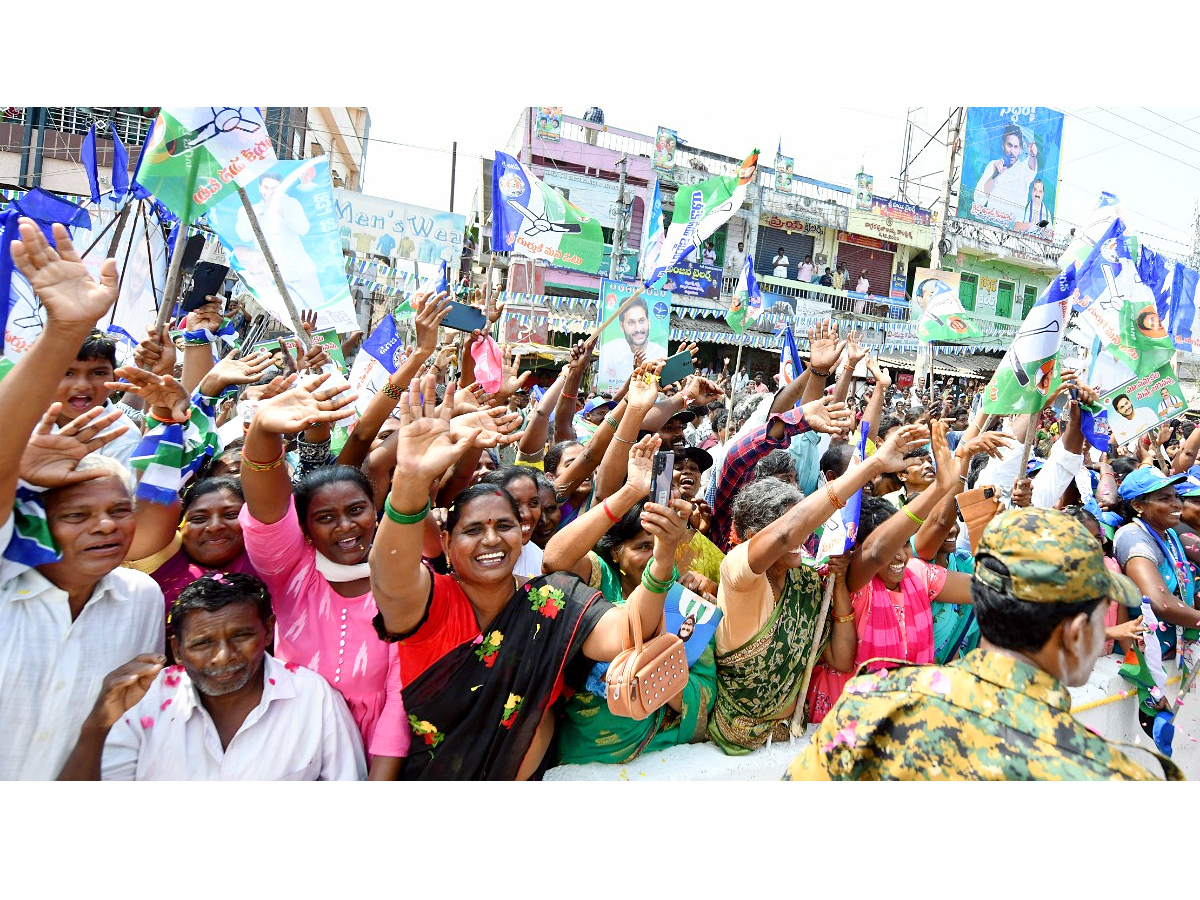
(736, 260)
(827, 278)
(780, 264)
(805, 272)
(840, 277)
(710, 255)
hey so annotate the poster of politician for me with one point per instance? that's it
(1141, 405)
(1010, 165)
(644, 326)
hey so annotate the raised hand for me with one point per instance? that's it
(640, 471)
(883, 380)
(643, 387)
(124, 687)
(702, 390)
(666, 525)
(60, 279)
(235, 370)
(164, 397)
(315, 357)
(947, 470)
(353, 339)
(827, 415)
(207, 315)
(824, 347)
(855, 351)
(156, 353)
(900, 441)
(431, 310)
(512, 380)
(426, 445)
(992, 443)
(308, 320)
(496, 425)
(277, 386)
(308, 403)
(469, 398)
(49, 459)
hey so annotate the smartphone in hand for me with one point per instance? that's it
(676, 368)
(465, 318)
(664, 473)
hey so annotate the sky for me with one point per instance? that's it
(1149, 157)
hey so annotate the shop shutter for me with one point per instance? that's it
(796, 246)
(878, 264)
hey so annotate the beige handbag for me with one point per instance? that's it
(977, 507)
(644, 677)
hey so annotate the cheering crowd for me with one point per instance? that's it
(197, 587)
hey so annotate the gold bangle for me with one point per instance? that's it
(838, 620)
(391, 391)
(263, 467)
(833, 497)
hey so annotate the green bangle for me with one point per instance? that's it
(400, 518)
(912, 515)
(652, 584)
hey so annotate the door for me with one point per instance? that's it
(1004, 299)
(968, 284)
(878, 263)
(1030, 298)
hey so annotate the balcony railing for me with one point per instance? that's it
(131, 127)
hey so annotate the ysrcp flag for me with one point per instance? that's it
(699, 211)
(652, 230)
(1174, 287)
(1105, 212)
(790, 367)
(380, 356)
(1119, 308)
(841, 529)
(747, 302)
(535, 220)
(293, 202)
(1029, 370)
(195, 156)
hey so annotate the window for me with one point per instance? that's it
(1031, 295)
(967, 285)
(1004, 299)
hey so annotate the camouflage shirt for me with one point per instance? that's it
(986, 717)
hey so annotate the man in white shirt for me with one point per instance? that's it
(805, 273)
(1004, 184)
(780, 264)
(68, 613)
(229, 712)
(617, 356)
(710, 255)
(1130, 421)
(735, 260)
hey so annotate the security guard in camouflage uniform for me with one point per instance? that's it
(1003, 712)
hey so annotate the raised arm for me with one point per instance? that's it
(204, 322)
(567, 550)
(824, 350)
(643, 389)
(937, 525)
(426, 446)
(73, 303)
(874, 411)
(564, 411)
(854, 355)
(878, 550)
(1185, 457)
(794, 527)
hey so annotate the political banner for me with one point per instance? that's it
(293, 202)
(381, 227)
(197, 156)
(937, 310)
(380, 355)
(645, 326)
(1010, 166)
(1143, 404)
(325, 340)
(535, 220)
(747, 302)
(549, 123)
(900, 211)
(652, 228)
(783, 173)
(864, 187)
(693, 281)
(664, 149)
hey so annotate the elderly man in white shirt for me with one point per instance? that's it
(229, 712)
(68, 613)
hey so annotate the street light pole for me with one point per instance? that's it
(618, 244)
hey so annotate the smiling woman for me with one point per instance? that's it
(311, 551)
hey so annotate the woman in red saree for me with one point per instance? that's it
(483, 660)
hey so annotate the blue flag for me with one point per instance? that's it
(443, 282)
(790, 366)
(841, 529)
(87, 154)
(120, 168)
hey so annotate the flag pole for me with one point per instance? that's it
(798, 717)
(293, 314)
(620, 309)
(173, 278)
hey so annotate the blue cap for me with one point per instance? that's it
(1146, 480)
(1190, 486)
(595, 403)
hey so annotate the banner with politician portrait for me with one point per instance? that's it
(1011, 156)
(1142, 404)
(293, 202)
(645, 326)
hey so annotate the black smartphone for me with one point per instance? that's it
(465, 318)
(676, 368)
(207, 281)
(660, 482)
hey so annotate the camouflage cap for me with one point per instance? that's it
(1051, 558)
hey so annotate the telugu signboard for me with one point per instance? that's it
(799, 226)
(1010, 166)
(694, 281)
(381, 227)
(894, 231)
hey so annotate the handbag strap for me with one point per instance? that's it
(632, 616)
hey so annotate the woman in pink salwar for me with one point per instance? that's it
(311, 551)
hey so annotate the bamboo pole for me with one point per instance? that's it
(293, 313)
(173, 278)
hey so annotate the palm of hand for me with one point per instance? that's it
(288, 412)
(50, 459)
(426, 447)
(824, 354)
(642, 393)
(640, 473)
(66, 289)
